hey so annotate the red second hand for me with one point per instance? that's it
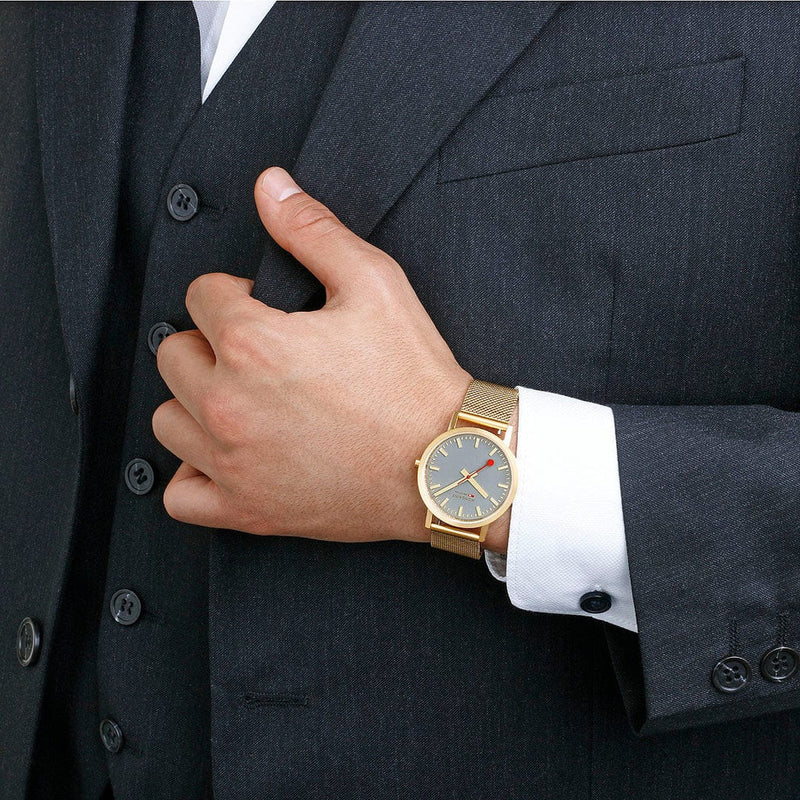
(489, 463)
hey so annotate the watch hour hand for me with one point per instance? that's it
(475, 483)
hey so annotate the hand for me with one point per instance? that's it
(306, 424)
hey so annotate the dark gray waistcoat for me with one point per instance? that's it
(145, 666)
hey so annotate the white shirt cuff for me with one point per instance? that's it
(567, 534)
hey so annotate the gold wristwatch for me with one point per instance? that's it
(467, 475)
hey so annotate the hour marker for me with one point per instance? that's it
(492, 452)
(430, 466)
(435, 485)
(503, 485)
(477, 442)
(478, 510)
(443, 451)
(461, 511)
(444, 502)
(494, 501)
(458, 441)
(505, 466)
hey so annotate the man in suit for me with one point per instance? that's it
(235, 310)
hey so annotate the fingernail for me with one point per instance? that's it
(278, 183)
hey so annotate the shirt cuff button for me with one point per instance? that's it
(595, 602)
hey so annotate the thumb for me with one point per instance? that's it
(311, 232)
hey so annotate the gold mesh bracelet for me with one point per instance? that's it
(455, 542)
(490, 406)
(489, 402)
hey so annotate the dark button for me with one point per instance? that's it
(139, 476)
(126, 607)
(111, 735)
(595, 602)
(73, 395)
(779, 664)
(29, 642)
(182, 202)
(731, 674)
(157, 334)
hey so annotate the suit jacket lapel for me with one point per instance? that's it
(406, 75)
(83, 55)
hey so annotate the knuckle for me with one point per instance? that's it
(379, 276)
(383, 272)
(237, 343)
(220, 417)
(226, 462)
(311, 218)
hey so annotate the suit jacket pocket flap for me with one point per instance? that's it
(623, 114)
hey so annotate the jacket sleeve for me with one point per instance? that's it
(711, 503)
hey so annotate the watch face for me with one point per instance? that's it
(467, 477)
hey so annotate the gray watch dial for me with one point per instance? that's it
(468, 476)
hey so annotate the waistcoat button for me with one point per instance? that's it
(126, 607)
(157, 334)
(29, 642)
(779, 664)
(139, 476)
(730, 674)
(595, 602)
(182, 202)
(111, 735)
(73, 395)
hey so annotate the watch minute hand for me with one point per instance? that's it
(448, 488)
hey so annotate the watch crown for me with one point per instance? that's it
(416, 463)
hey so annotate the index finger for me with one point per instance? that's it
(217, 301)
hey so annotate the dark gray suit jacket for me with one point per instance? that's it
(614, 187)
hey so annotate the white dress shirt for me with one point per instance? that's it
(567, 534)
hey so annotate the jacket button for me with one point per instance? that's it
(182, 202)
(139, 476)
(730, 674)
(595, 602)
(779, 664)
(111, 735)
(157, 334)
(29, 642)
(126, 607)
(73, 395)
